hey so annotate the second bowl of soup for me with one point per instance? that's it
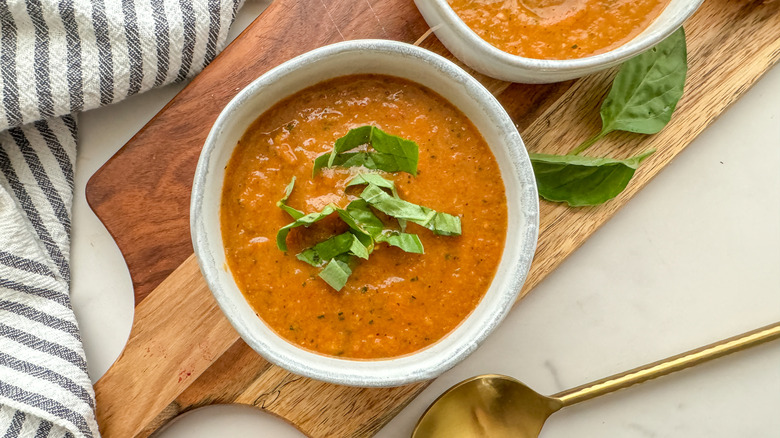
(543, 41)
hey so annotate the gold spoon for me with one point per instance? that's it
(498, 406)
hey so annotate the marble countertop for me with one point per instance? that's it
(693, 259)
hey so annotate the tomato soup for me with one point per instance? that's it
(394, 303)
(557, 29)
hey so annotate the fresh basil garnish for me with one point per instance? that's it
(365, 228)
(305, 220)
(379, 181)
(440, 223)
(583, 181)
(393, 154)
(642, 99)
(345, 243)
(365, 219)
(405, 241)
(336, 273)
(375, 179)
(282, 203)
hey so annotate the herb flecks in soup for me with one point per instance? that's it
(558, 29)
(396, 302)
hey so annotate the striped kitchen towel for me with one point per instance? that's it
(59, 57)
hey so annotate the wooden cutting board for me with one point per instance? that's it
(182, 353)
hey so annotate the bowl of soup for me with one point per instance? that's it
(544, 41)
(364, 214)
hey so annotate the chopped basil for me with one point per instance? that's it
(369, 160)
(583, 181)
(363, 218)
(440, 223)
(375, 179)
(311, 257)
(365, 228)
(336, 273)
(379, 181)
(405, 241)
(282, 203)
(393, 154)
(305, 220)
(346, 243)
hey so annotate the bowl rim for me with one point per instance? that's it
(519, 265)
(636, 45)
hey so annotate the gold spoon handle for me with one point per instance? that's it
(669, 365)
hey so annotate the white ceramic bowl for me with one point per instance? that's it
(487, 59)
(430, 70)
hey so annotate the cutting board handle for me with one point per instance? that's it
(178, 333)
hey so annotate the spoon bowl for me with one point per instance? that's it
(499, 406)
(489, 405)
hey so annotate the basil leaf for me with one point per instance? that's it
(360, 219)
(369, 160)
(393, 154)
(346, 243)
(645, 91)
(405, 241)
(379, 181)
(282, 203)
(583, 181)
(365, 219)
(375, 179)
(306, 220)
(356, 248)
(440, 223)
(310, 256)
(647, 88)
(336, 273)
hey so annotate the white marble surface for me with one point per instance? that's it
(694, 258)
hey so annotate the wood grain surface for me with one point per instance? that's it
(183, 354)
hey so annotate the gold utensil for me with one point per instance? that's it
(498, 406)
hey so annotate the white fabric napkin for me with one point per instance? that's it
(59, 57)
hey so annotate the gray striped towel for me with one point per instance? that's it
(59, 57)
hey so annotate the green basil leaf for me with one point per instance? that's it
(440, 223)
(360, 219)
(357, 249)
(336, 273)
(365, 219)
(405, 241)
(306, 220)
(393, 154)
(583, 181)
(352, 139)
(359, 229)
(310, 256)
(346, 243)
(647, 88)
(379, 181)
(369, 160)
(282, 203)
(375, 179)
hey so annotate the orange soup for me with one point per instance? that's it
(395, 302)
(557, 29)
